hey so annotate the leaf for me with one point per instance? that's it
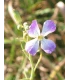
(17, 16)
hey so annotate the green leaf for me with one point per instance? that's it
(17, 16)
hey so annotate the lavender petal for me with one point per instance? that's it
(32, 46)
(48, 27)
(34, 30)
(48, 45)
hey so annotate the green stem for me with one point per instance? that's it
(24, 51)
(32, 67)
(24, 64)
(25, 79)
(38, 61)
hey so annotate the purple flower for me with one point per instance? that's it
(47, 45)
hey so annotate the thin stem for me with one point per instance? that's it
(25, 74)
(32, 67)
(38, 61)
(24, 51)
(25, 79)
(24, 63)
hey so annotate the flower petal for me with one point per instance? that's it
(34, 30)
(48, 45)
(32, 46)
(48, 27)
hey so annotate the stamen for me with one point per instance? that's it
(40, 37)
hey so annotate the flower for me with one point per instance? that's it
(34, 32)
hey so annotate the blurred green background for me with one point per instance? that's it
(51, 67)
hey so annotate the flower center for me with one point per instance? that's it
(40, 37)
